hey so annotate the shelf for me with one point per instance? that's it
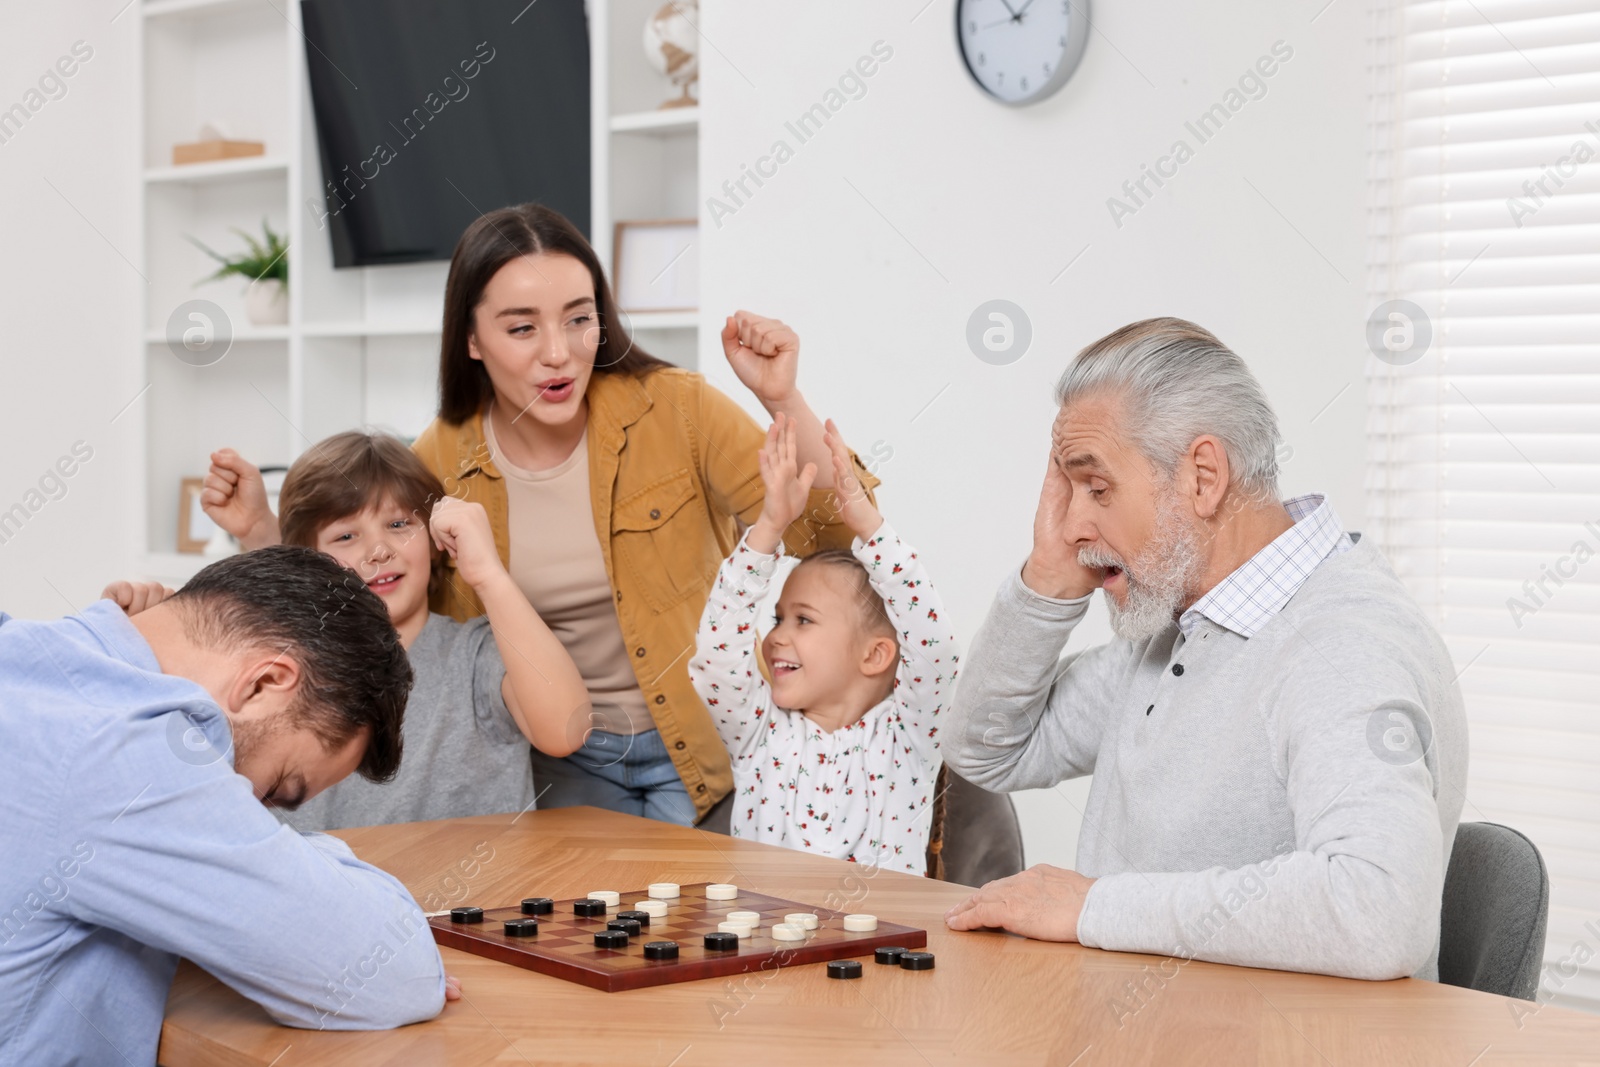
(668, 121)
(357, 329)
(155, 9)
(662, 320)
(370, 329)
(247, 333)
(217, 171)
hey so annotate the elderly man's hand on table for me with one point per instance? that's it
(1042, 902)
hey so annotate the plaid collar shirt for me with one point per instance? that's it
(1247, 599)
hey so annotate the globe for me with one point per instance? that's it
(672, 45)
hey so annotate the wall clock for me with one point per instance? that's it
(1021, 51)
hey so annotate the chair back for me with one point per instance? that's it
(976, 836)
(1495, 908)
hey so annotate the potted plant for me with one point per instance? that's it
(266, 266)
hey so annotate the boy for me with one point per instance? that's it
(838, 755)
(484, 689)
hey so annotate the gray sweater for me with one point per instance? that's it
(1287, 800)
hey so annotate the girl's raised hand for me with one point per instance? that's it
(788, 487)
(855, 507)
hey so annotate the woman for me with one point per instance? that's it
(615, 483)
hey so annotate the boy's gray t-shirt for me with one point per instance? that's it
(464, 754)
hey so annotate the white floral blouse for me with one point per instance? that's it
(862, 793)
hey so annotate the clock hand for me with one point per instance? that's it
(1012, 13)
(1024, 10)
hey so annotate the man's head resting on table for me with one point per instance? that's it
(1170, 450)
(303, 660)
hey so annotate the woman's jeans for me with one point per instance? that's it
(618, 772)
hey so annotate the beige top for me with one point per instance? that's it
(556, 562)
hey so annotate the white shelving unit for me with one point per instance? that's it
(361, 345)
(646, 160)
(222, 170)
(664, 122)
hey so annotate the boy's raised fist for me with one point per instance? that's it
(236, 499)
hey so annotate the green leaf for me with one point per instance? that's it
(265, 260)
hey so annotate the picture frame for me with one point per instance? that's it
(195, 528)
(656, 264)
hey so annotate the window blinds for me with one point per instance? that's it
(1484, 448)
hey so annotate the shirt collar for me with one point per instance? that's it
(472, 451)
(1247, 599)
(118, 636)
(616, 400)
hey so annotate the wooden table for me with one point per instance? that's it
(993, 998)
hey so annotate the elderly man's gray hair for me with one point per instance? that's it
(1177, 382)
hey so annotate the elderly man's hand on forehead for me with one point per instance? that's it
(1053, 569)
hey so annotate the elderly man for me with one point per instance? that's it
(1276, 736)
(140, 756)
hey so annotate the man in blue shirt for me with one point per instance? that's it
(140, 757)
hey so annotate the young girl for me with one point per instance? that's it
(484, 689)
(839, 753)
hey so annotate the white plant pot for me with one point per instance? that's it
(266, 303)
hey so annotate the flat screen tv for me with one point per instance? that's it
(431, 112)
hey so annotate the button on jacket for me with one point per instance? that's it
(673, 472)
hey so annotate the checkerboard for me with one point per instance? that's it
(564, 946)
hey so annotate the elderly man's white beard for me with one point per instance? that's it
(1160, 580)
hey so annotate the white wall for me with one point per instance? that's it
(922, 199)
(69, 305)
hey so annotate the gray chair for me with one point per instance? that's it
(1496, 904)
(976, 837)
(720, 818)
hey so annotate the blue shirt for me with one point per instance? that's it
(129, 841)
